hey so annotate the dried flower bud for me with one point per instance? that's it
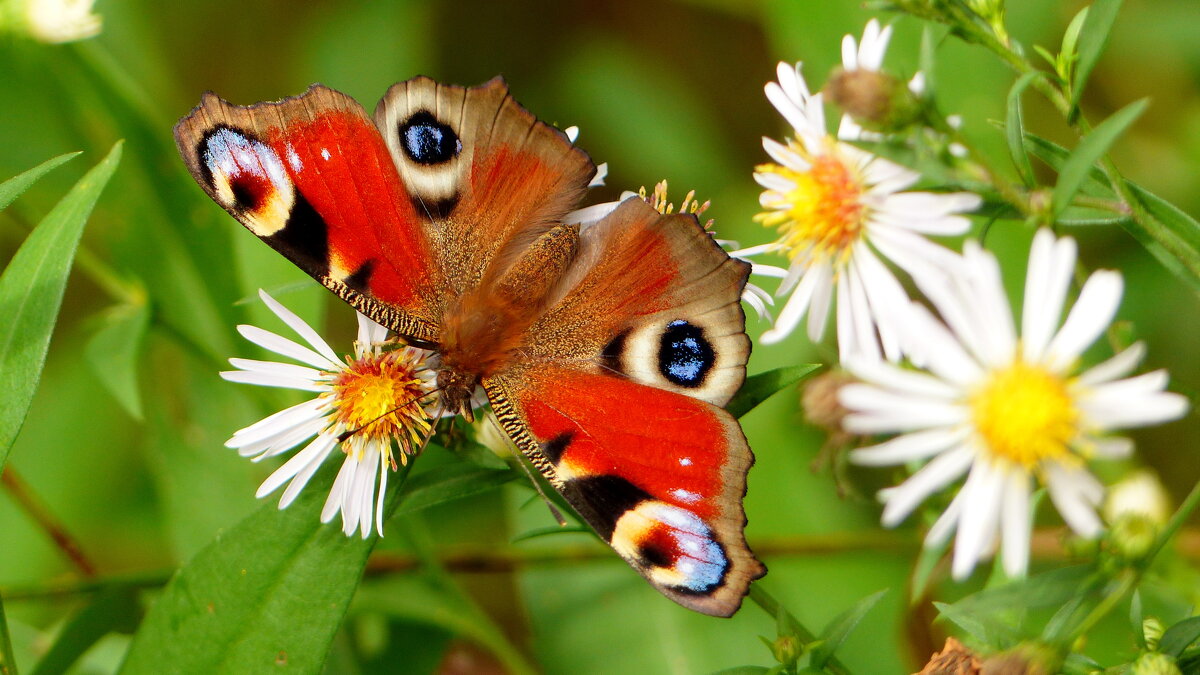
(821, 405)
(876, 100)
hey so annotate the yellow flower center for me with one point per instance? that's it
(379, 399)
(823, 215)
(1025, 414)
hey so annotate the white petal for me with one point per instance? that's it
(1016, 525)
(944, 526)
(302, 477)
(333, 503)
(281, 421)
(303, 330)
(278, 444)
(980, 516)
(1075, 494)
(937, 474)
(383, 478)
(283, 370)
(796, 305)
(319, 446)
(849, 53)
(369, 332)
(1051, 263)
(908, 447)
(285, 347)
(818, 306)
(1118, 366)
(269, 380)
(902, 381)
(1093, 311)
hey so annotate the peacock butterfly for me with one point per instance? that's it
(606, 350)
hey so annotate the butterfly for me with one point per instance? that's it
(606, 349)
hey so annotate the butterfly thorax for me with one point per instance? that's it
(483, 330)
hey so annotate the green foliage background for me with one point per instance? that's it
(124, 440)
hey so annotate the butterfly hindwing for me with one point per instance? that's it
(312, 177)
(617, 403)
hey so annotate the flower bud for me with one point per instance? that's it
(876, 100)
(787, 649)
(50, 21)
(821, 405)
(1152, 630)
(489, 435)
(1136, 508)
(1155, 663)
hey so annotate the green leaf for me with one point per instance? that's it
(762, 386)
(743, 670)
(113, 610)
(31, 291)
(840, 628)
(1014, 128)
(448, 483)
(113, 352)
(1183, 226)
(1089, 151)
(1093, 37)
(13, 187)
(8, 664)
(1055, 155)
(1180, 636)
(994, 634)
(1137, 619)
(266, 595)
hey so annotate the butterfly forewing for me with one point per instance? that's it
(312, 177)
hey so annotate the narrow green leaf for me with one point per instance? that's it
(1055, 155)
(840, 628)
(994, 634)
(762, 386)
(449, 482)
(13, 187)
(927, 561)
(267, 595)
(1137, 619)
(1093, 37)
(31, 290)
(8, 664)
(114, 610)
(1089, 151)
(1014, 128)
(1182, 225)
(1048, 589)
(743, 670)
(926, 61)
(113, 352)
(1180, 636)
(549, 531)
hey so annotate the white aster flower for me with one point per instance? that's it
(379, 396)
(1005, 409)
(837, 208)
(61, 20)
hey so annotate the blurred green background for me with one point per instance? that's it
(660, 90)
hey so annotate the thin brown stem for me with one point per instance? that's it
(24, 497)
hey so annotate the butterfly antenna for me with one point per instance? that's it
(537, 485)
(350, 432)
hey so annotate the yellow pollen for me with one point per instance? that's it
(1026, 415)
(379, 398)
(823, 216)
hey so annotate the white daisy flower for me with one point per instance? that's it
(383, 394)
(838, 208)
(1005, 409)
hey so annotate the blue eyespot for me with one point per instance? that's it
(428, 141)
(684, 355)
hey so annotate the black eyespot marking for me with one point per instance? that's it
(684, 355)
(613, 494)
(428, 141)
(361, 277)
(555, 447)
(304, 240)
(650, 555)
(249, 191)
(610, 357)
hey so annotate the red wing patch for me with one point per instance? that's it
(659, 475)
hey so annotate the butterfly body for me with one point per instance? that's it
(606, 348)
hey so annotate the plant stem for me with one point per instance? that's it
(24, 497)
(773, 608)
(8, 664)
